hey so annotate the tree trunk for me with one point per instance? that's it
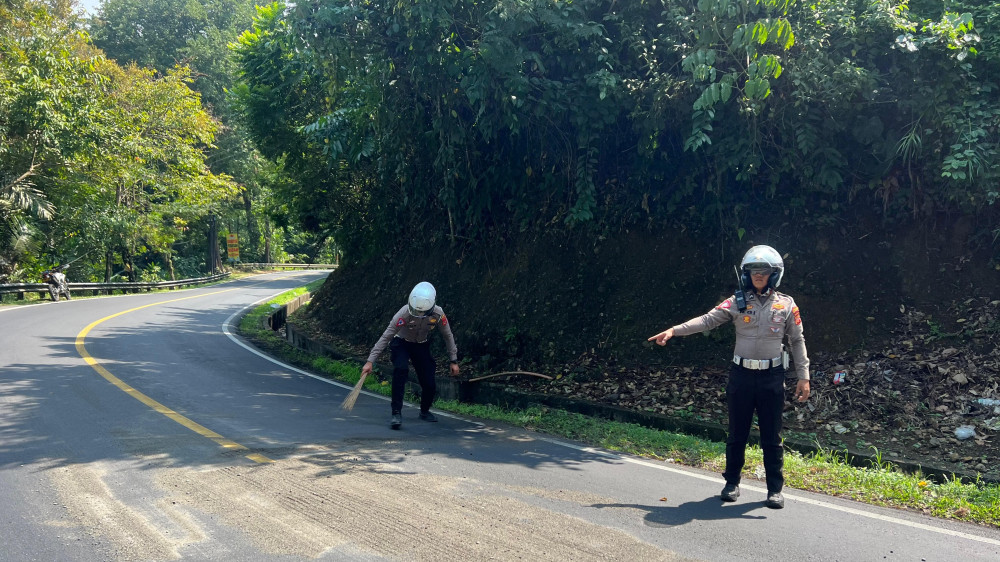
(252, 243)
(170, 264)
(128, 265)
(267, 240)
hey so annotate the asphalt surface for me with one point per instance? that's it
(139, 428)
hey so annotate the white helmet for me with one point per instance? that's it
(763, 256)
(422, 298)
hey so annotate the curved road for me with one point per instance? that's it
(137, 428)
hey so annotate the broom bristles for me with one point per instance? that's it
(348, 403)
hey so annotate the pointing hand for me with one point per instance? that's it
(662, 337)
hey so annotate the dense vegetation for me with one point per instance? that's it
(118, 150)
(327, 125)
(467, 120)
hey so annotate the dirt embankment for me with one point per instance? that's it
(911, 317)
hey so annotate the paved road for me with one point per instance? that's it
(137, 428)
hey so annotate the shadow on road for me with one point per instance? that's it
(708, 509)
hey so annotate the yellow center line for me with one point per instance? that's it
(156, 406)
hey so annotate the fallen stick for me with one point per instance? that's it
(511, 373)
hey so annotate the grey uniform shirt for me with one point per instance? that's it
(416, 329)
(760, 329)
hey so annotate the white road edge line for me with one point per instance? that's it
(819, 503)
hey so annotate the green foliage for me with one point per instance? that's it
(276, 99)
(162, 34)
(42, 85)
(730, 51)
(436, 110)
(95, 158)
(460, 120)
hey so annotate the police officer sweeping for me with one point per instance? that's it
(407, 340)
(763, 318)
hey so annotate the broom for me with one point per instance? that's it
(348, 403)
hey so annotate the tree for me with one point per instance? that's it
(107, 157)
(151, 142)
(196, 34)
(45, 76)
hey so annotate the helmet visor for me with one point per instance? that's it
(759, 269)
(417, 313)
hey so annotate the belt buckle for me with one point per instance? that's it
(755, 364)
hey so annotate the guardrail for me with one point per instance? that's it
(21, 289)
(286, 265)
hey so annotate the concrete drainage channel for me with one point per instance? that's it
(482, 392)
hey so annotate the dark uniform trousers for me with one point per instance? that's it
(764, 392)
(402, 352)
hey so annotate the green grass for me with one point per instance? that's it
(825, 472)
(617, 436)
(252, 323)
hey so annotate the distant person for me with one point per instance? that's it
(407, 338)
(763, 317)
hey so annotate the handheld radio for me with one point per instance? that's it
(740, 295)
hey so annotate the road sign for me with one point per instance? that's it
(233, 246)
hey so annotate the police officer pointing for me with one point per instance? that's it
(763, 318)
(406, 337)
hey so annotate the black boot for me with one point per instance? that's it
(396, 422)
(775, 500)
(730, 493)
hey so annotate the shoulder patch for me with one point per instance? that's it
(795, 313)
(400, 321)
(444, 320)
(724, 305)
